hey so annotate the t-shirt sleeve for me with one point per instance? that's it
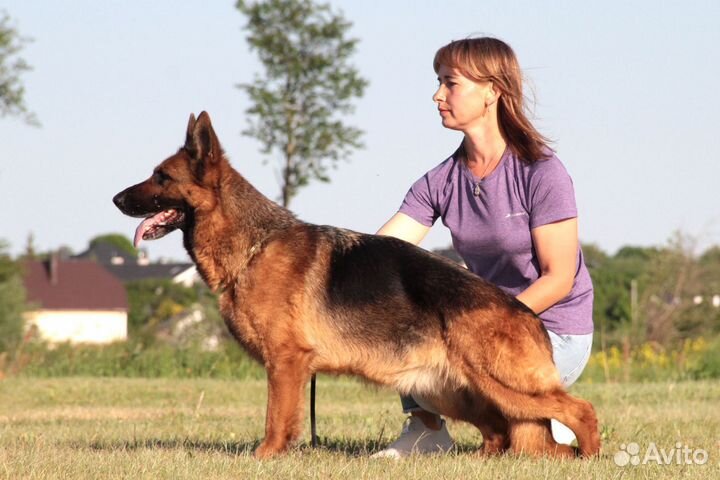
(418, 203)
(551, 193)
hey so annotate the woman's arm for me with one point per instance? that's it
(405, 228)
(556, 245)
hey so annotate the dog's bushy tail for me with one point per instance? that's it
(579, 415)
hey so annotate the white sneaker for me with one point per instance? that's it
(417, 438)
(561, 434)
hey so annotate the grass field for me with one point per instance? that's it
(161, 428)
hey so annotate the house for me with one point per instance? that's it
(127, 268)
(76, 301)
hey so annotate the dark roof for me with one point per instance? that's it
(132, 271)
(80, 284)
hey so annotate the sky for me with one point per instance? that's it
(626, 90)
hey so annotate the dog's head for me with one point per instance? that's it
(179, 186)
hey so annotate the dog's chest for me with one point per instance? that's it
(241, 325)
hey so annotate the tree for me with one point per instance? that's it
(151, 301)
(593, 255)
(709, 279)
(12, 301)
(117, 240)
(306, 87)
(12, 92)
(667, 303)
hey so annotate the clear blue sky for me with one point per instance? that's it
(628, 90)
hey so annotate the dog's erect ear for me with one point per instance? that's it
(202, 143)
(188, 134)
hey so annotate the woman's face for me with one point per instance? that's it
(462, 102)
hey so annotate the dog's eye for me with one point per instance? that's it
(162, 177)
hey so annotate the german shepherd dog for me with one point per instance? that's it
(304, 298)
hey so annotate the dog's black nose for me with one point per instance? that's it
(119, 199)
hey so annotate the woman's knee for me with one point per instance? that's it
(571, 354)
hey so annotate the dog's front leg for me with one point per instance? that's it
(286, 385)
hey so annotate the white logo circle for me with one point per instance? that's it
(628, 454)
(621, 459)
(633, 449)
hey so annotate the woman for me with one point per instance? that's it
(510, 207)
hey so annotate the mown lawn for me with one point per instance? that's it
(162, 428)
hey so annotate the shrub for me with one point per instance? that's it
(135, 359)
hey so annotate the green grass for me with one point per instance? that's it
(205, 428)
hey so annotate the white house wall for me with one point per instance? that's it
(188, 278)
(79, 326)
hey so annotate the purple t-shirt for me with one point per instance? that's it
(490, 221)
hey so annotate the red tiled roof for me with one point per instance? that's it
(80, 285)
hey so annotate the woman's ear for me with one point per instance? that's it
(492, 95)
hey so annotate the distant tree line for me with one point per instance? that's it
(657, 294)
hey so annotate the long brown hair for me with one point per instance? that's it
(487, 59)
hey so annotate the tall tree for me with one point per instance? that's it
(307, 87)
(12, 91)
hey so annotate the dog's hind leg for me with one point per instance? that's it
(490, 421)
(495, 432)
(286, 387)
(462, 404)
(533, 437)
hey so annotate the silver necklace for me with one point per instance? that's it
(476, 190)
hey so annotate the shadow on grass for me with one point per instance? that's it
(365, 447)
(231, 448)
(346, 446)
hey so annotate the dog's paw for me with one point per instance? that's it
(265, 451)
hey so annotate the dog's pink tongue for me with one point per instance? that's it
(142, 228)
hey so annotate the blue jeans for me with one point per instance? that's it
(570, 353)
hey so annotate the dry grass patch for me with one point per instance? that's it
(140, 428)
